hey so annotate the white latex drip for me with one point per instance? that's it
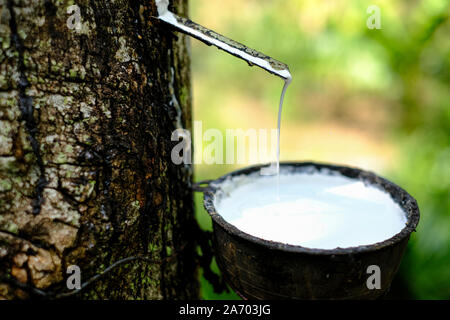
(274, 168)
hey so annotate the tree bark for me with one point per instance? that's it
(86, 177)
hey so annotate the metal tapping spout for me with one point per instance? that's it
(210, 37)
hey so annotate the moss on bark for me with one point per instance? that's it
(85, 171)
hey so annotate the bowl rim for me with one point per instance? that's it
(406, 202)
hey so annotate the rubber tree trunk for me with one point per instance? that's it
(86, 115)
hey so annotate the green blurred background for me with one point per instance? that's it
(375, 99)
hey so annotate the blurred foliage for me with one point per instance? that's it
(377, 99)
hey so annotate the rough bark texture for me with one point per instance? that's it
(85, 172)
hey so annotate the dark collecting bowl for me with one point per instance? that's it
(260, 269)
